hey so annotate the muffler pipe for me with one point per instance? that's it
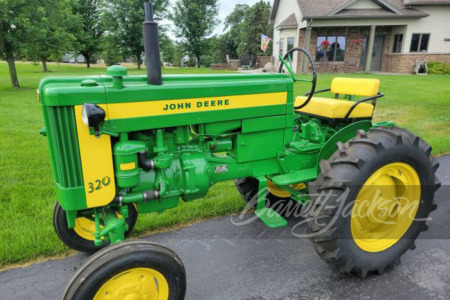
(151, 47)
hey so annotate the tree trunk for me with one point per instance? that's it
(198, 61)
(138, 62)
(12, 70)
(44, 65)
(88, 60)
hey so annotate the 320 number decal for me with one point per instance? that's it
(98, 184)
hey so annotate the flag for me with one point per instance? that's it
(265, 40)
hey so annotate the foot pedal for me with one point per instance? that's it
(271, 218)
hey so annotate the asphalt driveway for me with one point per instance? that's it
(225, 261)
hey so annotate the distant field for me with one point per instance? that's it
(421, 104)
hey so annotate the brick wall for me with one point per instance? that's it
(351, 52)
(223, 67)
(405, 63)
(390, 62)
(263, 60)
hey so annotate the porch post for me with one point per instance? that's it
(307, 42)
(369, 50)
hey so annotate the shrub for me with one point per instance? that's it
(206, 61)
(438, 68)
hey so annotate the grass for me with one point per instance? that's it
(27, 195)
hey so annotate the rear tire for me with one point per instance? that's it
(342, 178)
(80, 239)
(138, 268)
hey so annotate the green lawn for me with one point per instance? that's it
(420, 104)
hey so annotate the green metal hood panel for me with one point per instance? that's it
(67, 91)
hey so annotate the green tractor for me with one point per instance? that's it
(125, 145)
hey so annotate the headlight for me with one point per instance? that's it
(92, 115)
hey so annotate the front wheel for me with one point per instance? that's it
(371, 200)
(129, 270)
(81, 238)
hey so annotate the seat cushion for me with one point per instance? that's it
(333, 109)
(355, 86)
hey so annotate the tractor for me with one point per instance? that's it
(124, 145)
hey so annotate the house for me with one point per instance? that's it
(362, 35)
(70, 57)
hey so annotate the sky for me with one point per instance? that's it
(226, 7)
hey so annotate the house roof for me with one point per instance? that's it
(290, 21)
(426, 2)
(273, 12)
(331, 9)
(365, 13)
(336, 9)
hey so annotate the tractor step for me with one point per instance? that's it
(306, 175)
(271, 218)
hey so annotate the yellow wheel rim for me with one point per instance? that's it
(282, 193)
(135, 284)
(385, 207)
(85, 228)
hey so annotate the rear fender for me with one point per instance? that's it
(343, 135)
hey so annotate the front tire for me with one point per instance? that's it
(137, 270)
(81, 237)
(368, 197)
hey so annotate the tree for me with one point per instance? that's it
(236, 17)
(112, 55)
(195, 20)
(229, 42)
(49, 32)
(15, 18)
(179, 54)
(255, 23)
(246, 24)
(124, 19)
(168, 49)
(90, 28)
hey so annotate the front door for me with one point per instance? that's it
(377, 54)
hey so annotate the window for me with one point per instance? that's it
(290, 43)
(419, 42)
(281, 46)
(398, 42)
(331, 48)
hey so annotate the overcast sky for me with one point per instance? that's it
(226, 7)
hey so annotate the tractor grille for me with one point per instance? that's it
(61, 131)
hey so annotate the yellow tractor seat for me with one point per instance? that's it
(333, 108)
(337, 109)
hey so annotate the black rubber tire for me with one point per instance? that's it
(346, 171)
(78, 243)
(118, 258)
(248, 188)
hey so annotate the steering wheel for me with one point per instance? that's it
(313, 81)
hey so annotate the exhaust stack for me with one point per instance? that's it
(151, 47)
